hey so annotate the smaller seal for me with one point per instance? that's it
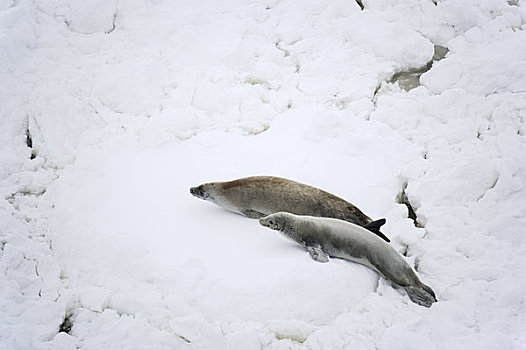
(327, 237)
(258, 196)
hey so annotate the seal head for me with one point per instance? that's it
(200, 192)
(284, 223)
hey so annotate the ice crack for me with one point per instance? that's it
(67, 324)
(29, 142)
(410, 78)
(491, 186)
(286, 53)
(360, 3)
(402, 198)
(112, 24)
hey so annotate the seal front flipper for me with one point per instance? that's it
(374, 227)
(317, 253)
(253, 214)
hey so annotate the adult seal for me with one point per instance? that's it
(259, 196)
(326, 237)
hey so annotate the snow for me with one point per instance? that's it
(112, 110)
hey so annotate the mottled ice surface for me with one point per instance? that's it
(111, 110)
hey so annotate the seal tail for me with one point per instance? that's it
(421, 294)
(374, 227)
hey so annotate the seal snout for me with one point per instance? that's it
(264, 222)
(199, 192)
(269, 222)
(194, 191)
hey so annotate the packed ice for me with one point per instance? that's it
(112, 110)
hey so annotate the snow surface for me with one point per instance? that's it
(111, 110)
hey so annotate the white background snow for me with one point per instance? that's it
(129, 103)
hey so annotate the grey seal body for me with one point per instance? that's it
(258, 196)
(326, 237)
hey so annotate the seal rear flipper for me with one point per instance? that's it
(421, 294)
(253, 214)
(317, 253)
(374, 227)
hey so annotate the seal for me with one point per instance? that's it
(258, 196)
(327, 237)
